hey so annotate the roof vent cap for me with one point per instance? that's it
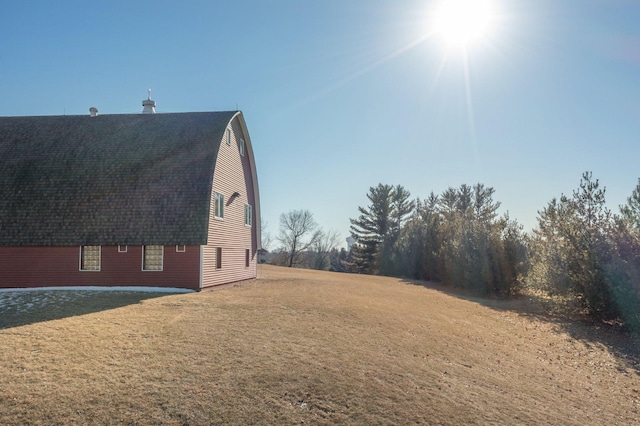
(149, 105)
(93, 112)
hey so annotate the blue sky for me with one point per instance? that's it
(342, 95)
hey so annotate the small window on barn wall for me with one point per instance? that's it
(181, 249)
(219, 205)
(218, 257)
(122, 249)
(90, 258)
(228, 137)
(241, 146)
(152, 258)
(248, 214)
(247, 258)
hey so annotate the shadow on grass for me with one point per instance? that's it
(18, 308)
(624, 345)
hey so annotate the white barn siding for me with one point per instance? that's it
(232, 174)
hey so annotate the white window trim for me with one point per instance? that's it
(228, 137)
(152, 270)
(215, 205)
(181, 248)
(122, 249)
(218, 258)
(241, 147)
(99, 260)
(249, 216)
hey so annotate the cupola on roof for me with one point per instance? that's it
(149, 105)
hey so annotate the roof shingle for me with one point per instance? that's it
(107, 180)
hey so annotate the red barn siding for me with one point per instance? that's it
(232, 174)
(59, 266)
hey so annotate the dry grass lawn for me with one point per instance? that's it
(298, 346)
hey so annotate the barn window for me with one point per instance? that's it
(248, 214)
(90, 258)
(219, 205)
(181, 248)
(247, 257)
(241, 146)
(218, 257)
(122, 249)
(152, 258)
(228, 137)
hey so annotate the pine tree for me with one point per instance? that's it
(589, 250)
(378, 227)
(469, 246)
(574, 248)
(631, 211)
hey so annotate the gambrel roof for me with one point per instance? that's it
(111, 179)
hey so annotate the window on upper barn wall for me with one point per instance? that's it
(181, 248)
(219, 205)
(152, 257)
(90, 258)
(248, 214)
(228, 137)
(241, 146)
(122, 249)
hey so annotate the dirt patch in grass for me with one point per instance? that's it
(300, 346)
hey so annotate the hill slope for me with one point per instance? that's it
(315, 347)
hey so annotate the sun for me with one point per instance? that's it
(460, 23)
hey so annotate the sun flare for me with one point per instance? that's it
(461, 23)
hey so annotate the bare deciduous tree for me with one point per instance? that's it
(322, 247)
(298, 232)
(265, 235)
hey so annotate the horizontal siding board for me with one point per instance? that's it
(59, 266)
(232, 174)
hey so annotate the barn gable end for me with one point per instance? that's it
(231, 253)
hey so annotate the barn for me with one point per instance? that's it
(160, 200)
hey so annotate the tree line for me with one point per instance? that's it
(456, 238)
(580, 251)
